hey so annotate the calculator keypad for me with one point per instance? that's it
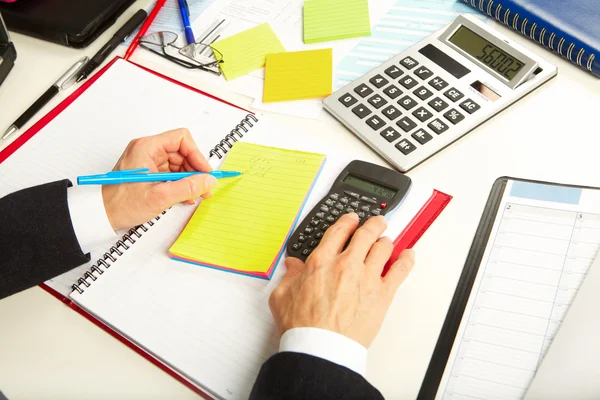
(361, 111)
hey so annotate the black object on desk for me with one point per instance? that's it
(73, 23)
(113, 43)
(8, 52)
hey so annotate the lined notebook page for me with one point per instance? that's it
(326, 20)
(245, 52)
(244, 226)
(89, 136)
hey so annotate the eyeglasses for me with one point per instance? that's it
(192, 56)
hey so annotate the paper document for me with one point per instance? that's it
(540, 248)
(326, 20)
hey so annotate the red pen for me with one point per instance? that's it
(144, 28)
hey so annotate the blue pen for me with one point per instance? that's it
(142, 175)
(185, 16)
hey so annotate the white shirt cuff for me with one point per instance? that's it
(89, 218)
(327, 345)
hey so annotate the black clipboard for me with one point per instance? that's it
(443, 347)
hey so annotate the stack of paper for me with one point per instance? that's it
(326, 20)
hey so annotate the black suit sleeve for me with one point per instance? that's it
(37, 240)
(296, 376)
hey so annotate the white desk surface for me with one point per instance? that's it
(49, 351)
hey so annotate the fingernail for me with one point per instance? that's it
(354, 216)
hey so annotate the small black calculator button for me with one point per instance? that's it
(347, 100)
(392, 91)
(353, 194)
(361, 215)
(324, 208)
(453, 94)
(306, 252)
(423, 72)
(318, 235)
(302, 238)
(437, 83)
(329, 202)
(320, 215)
(438, 104)
(354, 204)
(378, 81)
(368, 200)
(391, 112)
(375, 122)
(407, 102)
(406, 124)
(390, 134)
(470, 106)
(313, 243)
(376, 211)
(422, 136)
(422, 114)
(339, 207)
(406, 148)
(423, 93)
(454, 116)
(409, 62)
(335, 213)
(363, 90)
(377, 101)
(394, 72)
(361, 111)
(408, 82)
(315, 222)
(330, 219)
(324, 227)
(334, 196)
(308, 230)
(349, 210)
(297, 246)
(365, 208)
(438, 126)
(344, 200)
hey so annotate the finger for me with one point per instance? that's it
(399, 271)
(175, 160)
(379, 254)
(294, 267)
(181, 141)
(366, 236)
(167, 194)
(337, 235)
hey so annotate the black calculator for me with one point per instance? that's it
(362, 187)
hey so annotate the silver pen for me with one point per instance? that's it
(64, 82)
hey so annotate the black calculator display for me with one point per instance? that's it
(362, 187)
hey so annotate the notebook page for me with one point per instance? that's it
(244, 226)
(89, 136)
(326, 20)
(542, 243)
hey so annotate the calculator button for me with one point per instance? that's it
(318, 235)
(324, 208)
(344, 200)
(368, 200)
(407, 102)
(391, 112)
(437, 83)
(340, 206)
(392, 91)
(454, 116)
(324, 227)
(308, 230)
(361, 214)
(409, 62)
(394, 72)
(423, 93)
(423, 72)
(329, 202)
(363, 90)
(406, 124)
(302, 238)
(376, 211)
(470, 106)
(353, 194)
(453, 94)
(438, 104)
(375, 122)
(390, 134)
(347, 100)
(306, 252)
(438, 126)
(422, 114)
(378, 81)
(408, 82)
(315, 222)
(330, 219)
(383, 205)
(320, 215)
(422, 136)
(361, 111)
(335, 213)
(334, 196)
(406, 148)
(365, 208)
(349, 210)
(313, 243)
(354, 204)
(297, 246)
(377, 101)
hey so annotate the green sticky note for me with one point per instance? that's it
(246, 51)
(326, 20)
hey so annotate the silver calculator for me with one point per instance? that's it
(428, 96)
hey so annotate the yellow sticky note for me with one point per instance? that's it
(246, 51)
(298, 75)
(326, 20)
(244, 226)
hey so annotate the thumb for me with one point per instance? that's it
(168, 194)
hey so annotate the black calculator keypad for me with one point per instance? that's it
(377, 101)
(363, 90)
(375, 122)
(347, 100)
(422, 114)
(408, 82)
(438, 83)
(378, 81)
(470, 106)
(409, 63)
(391, 112)
(406, 124)
(390, 134)
(423, 93)
(422, 136)
(438, 104)
(392, 91)
(407, 102)
(361, 111)
(423, 72)
(453, 94)
(394, 72)
(438, 126)
(405, 147)
(454, 116)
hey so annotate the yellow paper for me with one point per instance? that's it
(246, 51)
(243, 227)
(298, 75)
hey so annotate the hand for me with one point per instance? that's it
(342, 290)
(132, 204)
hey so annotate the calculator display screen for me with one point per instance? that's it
(498, 60)
(370, 187)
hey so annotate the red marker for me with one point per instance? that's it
(144, 28)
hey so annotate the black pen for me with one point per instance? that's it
(112, 44)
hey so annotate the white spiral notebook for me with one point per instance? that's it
(209, 329)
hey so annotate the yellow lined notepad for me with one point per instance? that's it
(326, 20)
(298, 75)
(244, 226)
(246, 51)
